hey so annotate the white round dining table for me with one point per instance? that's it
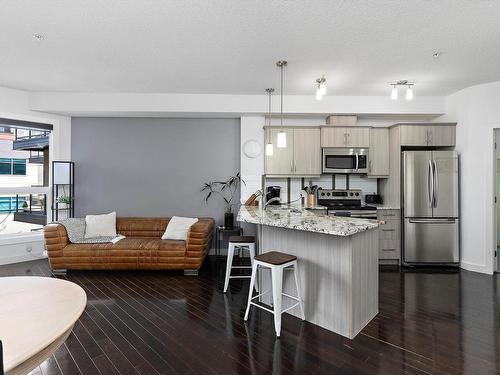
(36, 316)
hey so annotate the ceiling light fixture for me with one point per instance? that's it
(437, 54)
(409, 92)
(269, 145)
(281, 141)
(409, 89)
(38, 37)
(394, 92)
(320, 88)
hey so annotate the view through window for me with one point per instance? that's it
(24, 160)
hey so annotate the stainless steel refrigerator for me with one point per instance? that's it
(430, 207)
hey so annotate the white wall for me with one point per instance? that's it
(477, 111)
(14, 104)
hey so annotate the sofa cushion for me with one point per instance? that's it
(141, 226)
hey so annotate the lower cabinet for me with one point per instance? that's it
(389, 236)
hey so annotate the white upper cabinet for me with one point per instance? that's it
(301, 157)
(427, 135)
(307, 151)
(350, 136)
(378, 164)
(281, 162)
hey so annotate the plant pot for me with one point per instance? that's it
(228, 220)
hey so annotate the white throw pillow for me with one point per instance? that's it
(100, 225)
(178, 228)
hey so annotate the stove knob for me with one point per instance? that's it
(357, 194)
(351, 194)
(322, 194)
(327, 194)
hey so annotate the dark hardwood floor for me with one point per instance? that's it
(167, 323)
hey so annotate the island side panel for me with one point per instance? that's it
(325, 266)
(364, 279)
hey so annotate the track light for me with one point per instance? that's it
(405, 83)
(409, 93)
(394, 92)
(320, 88)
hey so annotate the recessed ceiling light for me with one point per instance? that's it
(437, 54)
(38, 37)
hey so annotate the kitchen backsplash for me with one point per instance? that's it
(368, 186)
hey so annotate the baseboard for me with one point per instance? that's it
(474, 267)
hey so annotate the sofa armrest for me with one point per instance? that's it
(199, 241)
(56, 239)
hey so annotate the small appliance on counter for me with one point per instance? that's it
(345, 203)
(273, 192)
(373, 199)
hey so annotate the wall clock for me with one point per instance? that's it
(251, 148)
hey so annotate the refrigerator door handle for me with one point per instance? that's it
(432, 221)
(430, 184)
(435, 182)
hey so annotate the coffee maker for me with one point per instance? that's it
(273, 192)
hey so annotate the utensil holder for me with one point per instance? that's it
(311, 200)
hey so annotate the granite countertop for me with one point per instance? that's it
(299, 218)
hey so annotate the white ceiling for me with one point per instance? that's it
(230, 46)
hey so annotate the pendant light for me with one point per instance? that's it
(281, 141)
(269, 145)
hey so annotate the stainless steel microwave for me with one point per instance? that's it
(345, 160)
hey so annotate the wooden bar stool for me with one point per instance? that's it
(277, 262)
(240, 242)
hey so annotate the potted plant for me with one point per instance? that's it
(63, 201)
(226, 190)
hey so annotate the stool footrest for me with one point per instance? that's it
(262, 307)
(244, 267)
(240, 277)
(291, 307)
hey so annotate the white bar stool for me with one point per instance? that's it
(240, 242)
(277, 262)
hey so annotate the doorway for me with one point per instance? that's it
(497, 198)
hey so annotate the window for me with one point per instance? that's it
(13, 166)
(19, 166)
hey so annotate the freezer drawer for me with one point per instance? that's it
(431, 240)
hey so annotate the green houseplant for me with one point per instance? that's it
(63, 201)
(227, 191)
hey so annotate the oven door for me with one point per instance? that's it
(345, 160)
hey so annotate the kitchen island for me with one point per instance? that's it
(338, 263)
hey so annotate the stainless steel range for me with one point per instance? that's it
(345, 203)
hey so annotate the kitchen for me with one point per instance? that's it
(358, 196)
(352, 165)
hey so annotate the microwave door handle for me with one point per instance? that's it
(430, 184)
(357, 161)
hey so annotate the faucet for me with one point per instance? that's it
(278, 199)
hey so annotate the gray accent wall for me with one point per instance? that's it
(152, 166)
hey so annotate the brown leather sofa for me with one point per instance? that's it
(142, 249)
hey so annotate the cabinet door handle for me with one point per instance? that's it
(291, 166)
(295, 165)
(388, 230)
(345, 139)
(370, 166)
